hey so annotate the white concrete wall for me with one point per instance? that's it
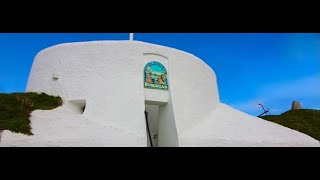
(167, 131)
(194, 90)
(108, 75)
(63, 128)
(228, 127)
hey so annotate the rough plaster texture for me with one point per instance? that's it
(108, 77)
(63, 128)
(226, 126)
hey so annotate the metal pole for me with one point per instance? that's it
(262, 107)
(131, 37)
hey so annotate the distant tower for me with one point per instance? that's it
(295, 105)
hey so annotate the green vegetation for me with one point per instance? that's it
(304, 120)
(15, 109)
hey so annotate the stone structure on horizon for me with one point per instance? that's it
(295, 105)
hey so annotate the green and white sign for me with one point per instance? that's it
(155, 76)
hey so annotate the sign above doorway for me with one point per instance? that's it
(155, 76)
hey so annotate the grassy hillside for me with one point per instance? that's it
(304, 120)
(15, 109)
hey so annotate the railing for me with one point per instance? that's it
(146, 115)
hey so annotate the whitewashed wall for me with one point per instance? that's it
(108, 76)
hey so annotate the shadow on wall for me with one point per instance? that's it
(77, 106)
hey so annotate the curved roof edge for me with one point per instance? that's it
(108, 42)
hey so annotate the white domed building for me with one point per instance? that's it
(131, 93)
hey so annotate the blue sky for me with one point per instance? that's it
(269, 68)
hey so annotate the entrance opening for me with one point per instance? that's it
(160, 125)
(152, 119)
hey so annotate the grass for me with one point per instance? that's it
(304, 120)
(15, 109)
